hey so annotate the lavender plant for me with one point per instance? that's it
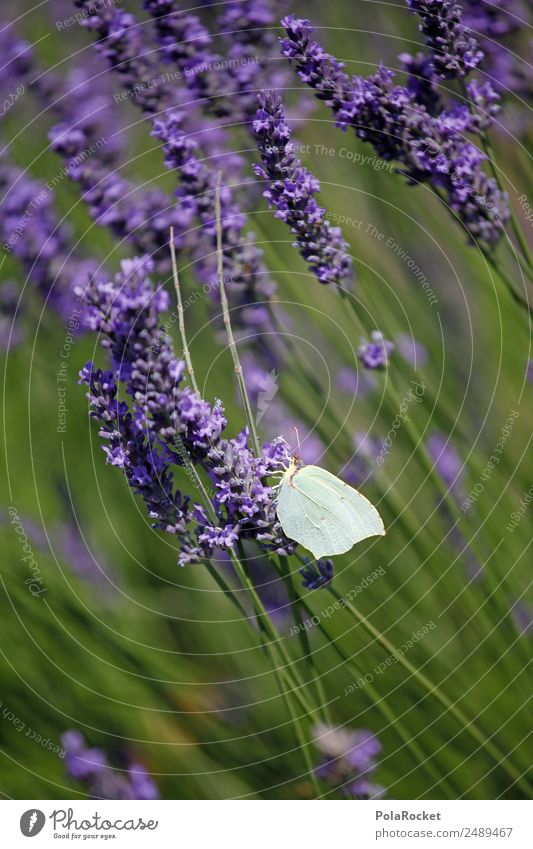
(291, 193)
(348, 760)
(428, 148)
(90, 767)
(167, 424)
(223, 85)
(498, 28)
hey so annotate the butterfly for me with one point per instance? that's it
(322, 513)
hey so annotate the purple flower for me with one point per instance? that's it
(141, 216)
(164, 424)
(86, 138)
(316, 574)
(522, 613)
(31, 231)
(376, 353)
(421, 82)
(103, 781)
(485, 102)
(144, 460)
(428, 147)
(219, 537)
(412, 351)
(291, 190)
(454, 51)
(447, 461)
(82, 762)
(355, 383)
(142, 786)
(499, 28)
(120, 41)
(348, 760)
(225, 86)
(182, 37)
(19, 68)
(249, 285)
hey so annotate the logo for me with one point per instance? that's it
(32, 822)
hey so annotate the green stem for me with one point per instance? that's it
(300, 736)
(448, 498)
(433, 690)
(380, 703)
(521, 239)
(270, 631)
(181, 320)
(517, 296)
(227, 323)
(297, 607)
(433, 474)
(261, 614)
(296, 358)
(522, 263)
(489, 153)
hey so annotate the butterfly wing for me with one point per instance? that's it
(324, 514)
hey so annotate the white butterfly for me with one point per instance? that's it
(322, 513)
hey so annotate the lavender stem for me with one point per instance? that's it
(181, 320)
(380, 703)
(436, 692)
(227, 324)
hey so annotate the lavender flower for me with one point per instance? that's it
(143, 217)
(91, 767)
(31, 231)
(429, 148)
(19, 68)
(185, 42)
(182, 37)
(316, 574)
(412, 351)
(421, 81)
(86, 137)
(246, 67)
(249, 283)
(369, 450)
(522, 613)
(355, 383)
(120, 41)
(454, 51)
(376, 352)
(499, 28)
(291, 190)
(167, 424)
(348, 760)
(144, 461)
(447, 461)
